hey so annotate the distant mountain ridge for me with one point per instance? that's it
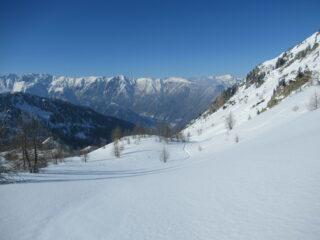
(76, 126)
(147, 101)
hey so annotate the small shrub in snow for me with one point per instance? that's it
(295, 108)
(85, 157)
(199, 131)
(315, 78)
(230, 121)
(121, 147)
(188, 136)
(164, 156)
(116, 149)
(116, 134)
(314, 102)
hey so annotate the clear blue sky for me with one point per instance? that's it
(149, 38)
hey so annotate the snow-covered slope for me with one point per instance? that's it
(144, 100)
(260, 180)
(265, 86)
(266, 186)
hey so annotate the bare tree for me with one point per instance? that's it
(22, 139)
(121, 148)
(6, 169)
(85, 156)
(116, 149)
(314, 102)
(315, 78)
(164, 156)
(3, 169)
(164, 132)
(29, 139)
(57, 155)
(180, 136)
(230, 121)
(137, 129)
(116, 134)
(199, 131)
(35, 131)
(188, 136)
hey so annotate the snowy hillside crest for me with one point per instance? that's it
(269, 83)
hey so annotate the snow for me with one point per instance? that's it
(225, 78)
(176, 80)
(49, 140)
(148, 85)
(18, 86)
(264, 187)
(34, 110)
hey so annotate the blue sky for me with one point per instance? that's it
(149, 38)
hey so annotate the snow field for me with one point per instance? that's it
(264, 187)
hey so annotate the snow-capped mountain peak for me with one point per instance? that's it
(143, 100)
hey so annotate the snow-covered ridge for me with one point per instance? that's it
(143, 100)
(265, 86)
(15, 83)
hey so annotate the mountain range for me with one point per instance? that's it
(147, 101)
